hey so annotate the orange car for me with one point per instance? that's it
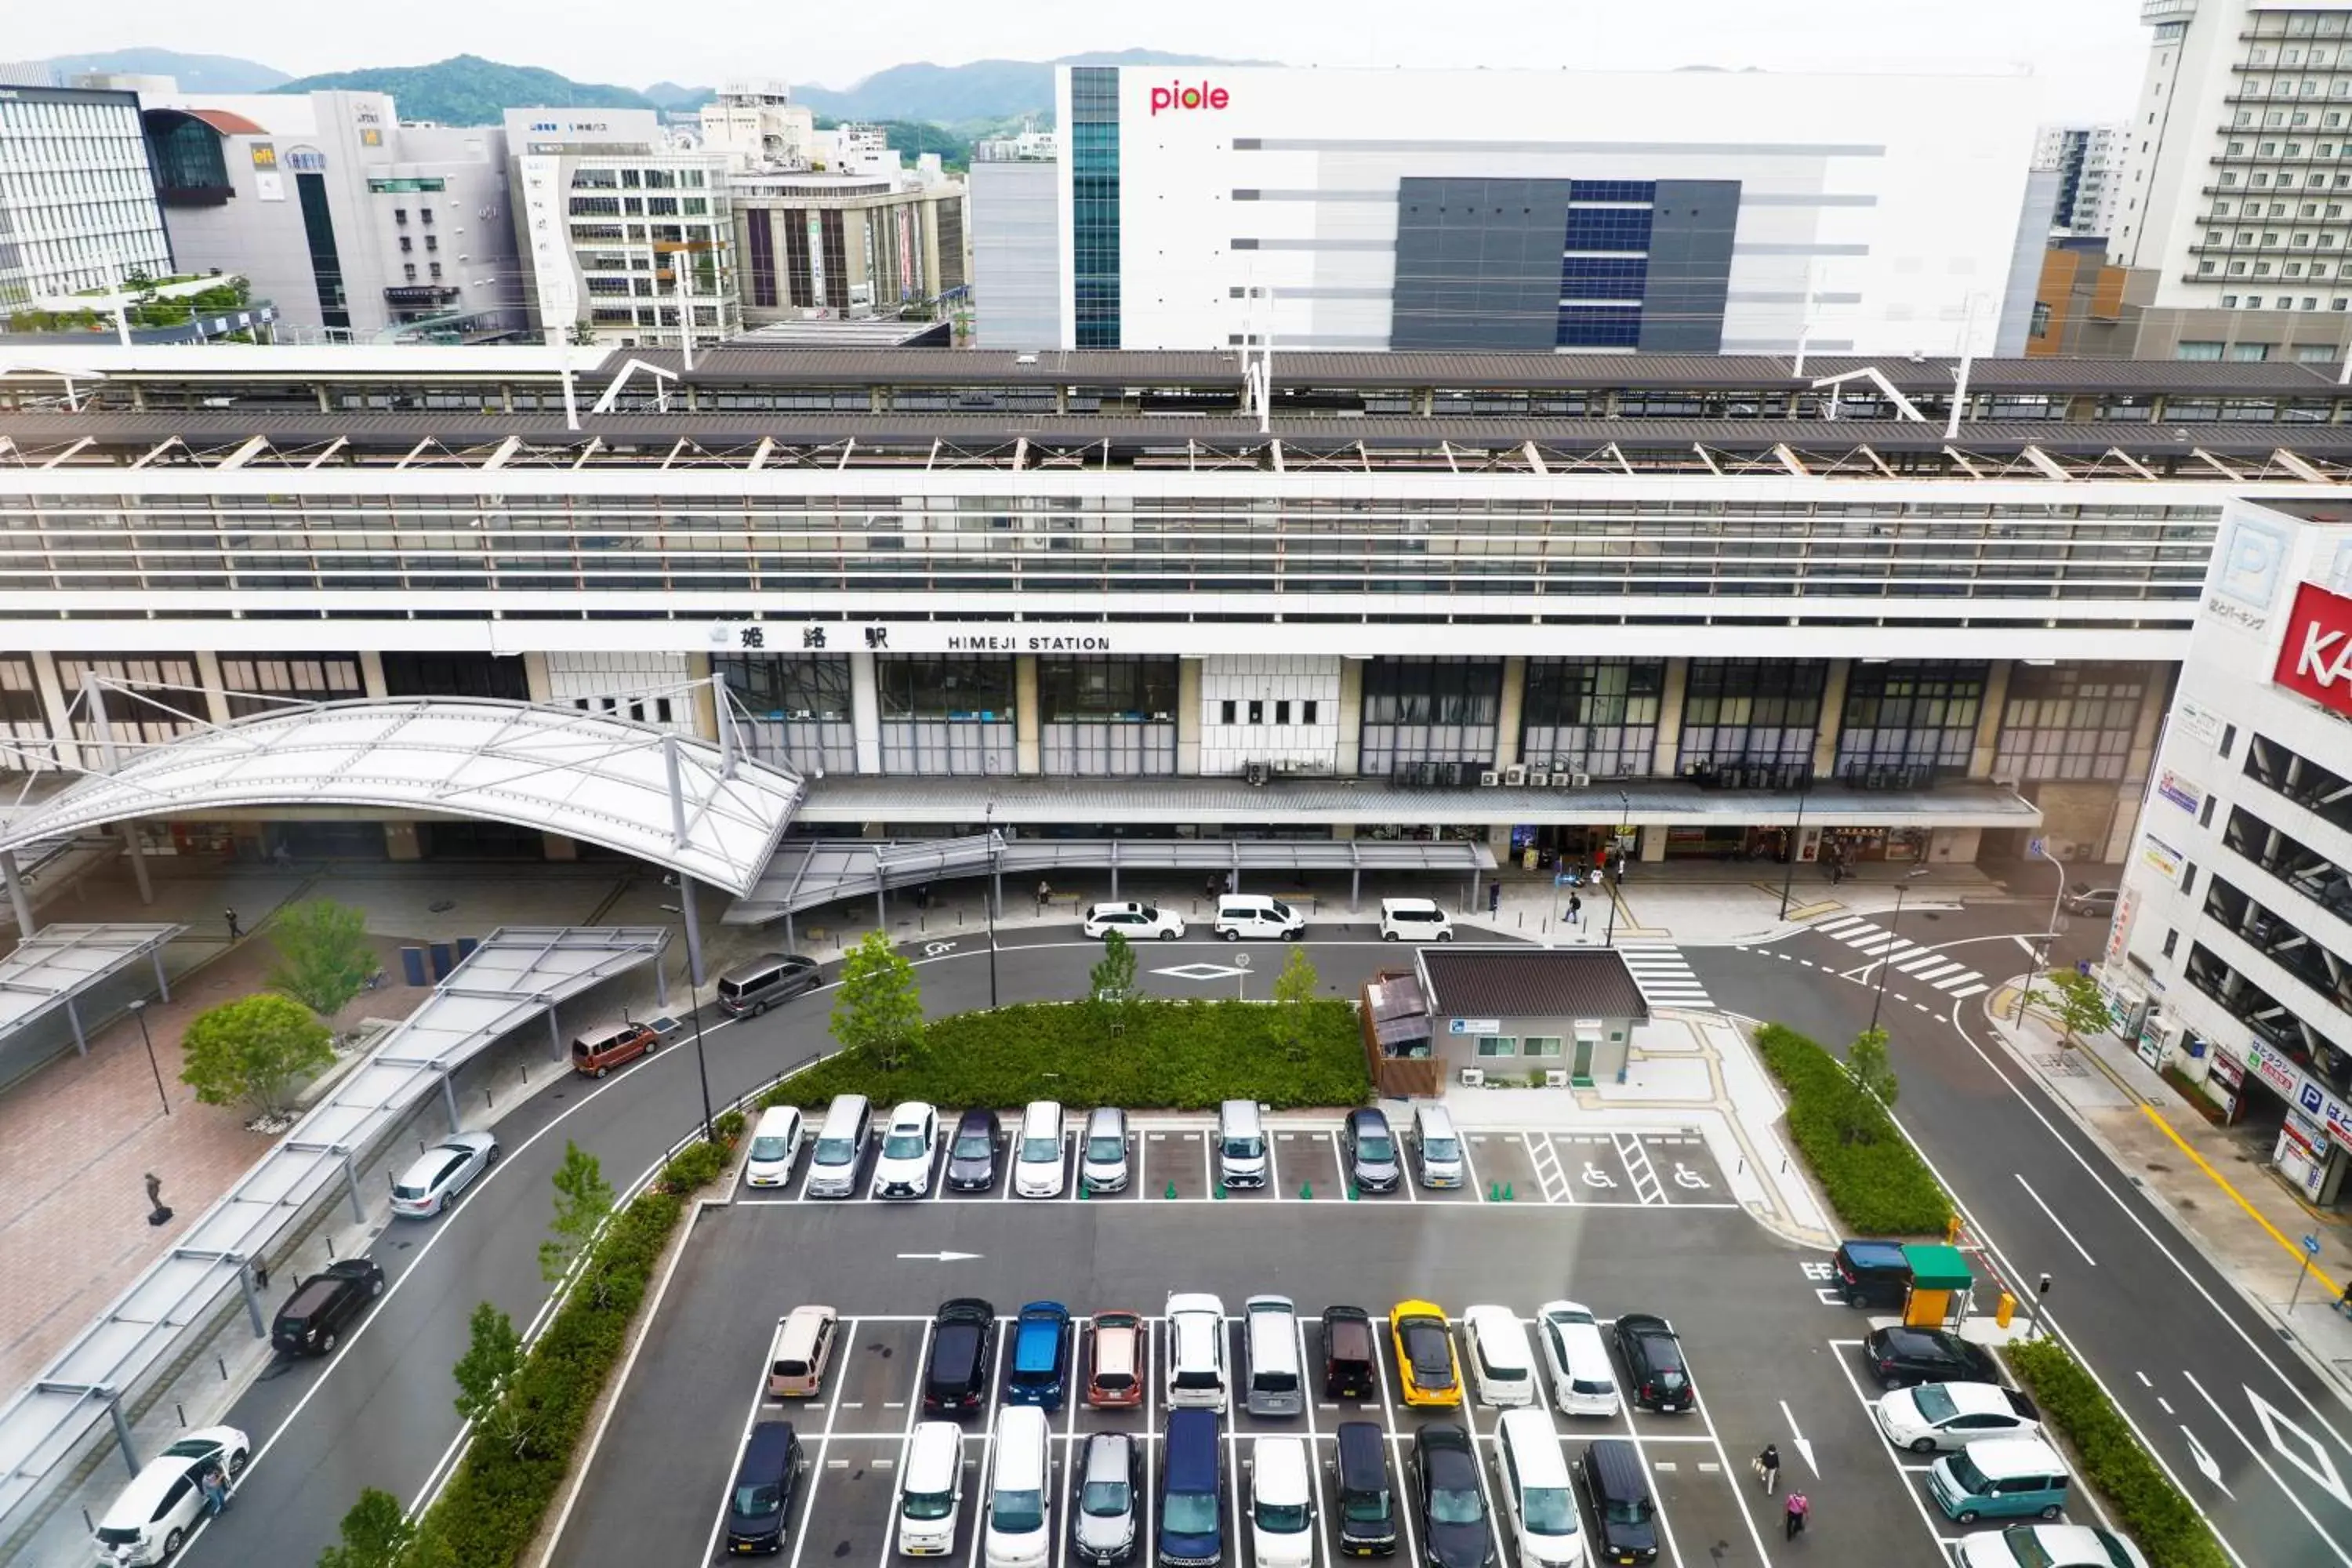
(1426, 1366)
(599, 1050)
(1115, 1370)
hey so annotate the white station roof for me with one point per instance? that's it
(60, 963)
(591, 776)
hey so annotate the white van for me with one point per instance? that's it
(1019, 1532)
(1501, 1367)
(1270, 1332)
(930, 1487)
(1038, 1151)
(1196, 1351)
(1282, 1503)
(1537, 1492)
(1241, 1144)
(775, 1144)
(1254, 914)
(840, 1147)
(1583, 1381)
(1436, 1146)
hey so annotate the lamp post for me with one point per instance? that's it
(138, 1005)
(1796, 842)
(1624, 809)
(2049, 938)
(988, 897)
(701, 1064)
(1885, 959)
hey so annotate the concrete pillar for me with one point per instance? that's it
(138, 862)
(1188, 716)
(865, 712)
(1670, 732)
(1506, 713)
(536, 681)
(400, 842)
(706, 698)
(1027, 754)
(53, 707)
(1348, 761)
(1996, 705)
(372, 674)
(209, 676)
(1654, 841)
(20, 900)
(1825, 739)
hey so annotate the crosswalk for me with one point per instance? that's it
(1875, 941)
(1664, 974)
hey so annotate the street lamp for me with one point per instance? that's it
(1796, 839)
(1886, 959)
(2050, 937)
(1625, 810)
(138, 1005)
(701, 1063)
(988, 896)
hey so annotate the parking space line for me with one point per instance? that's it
(824, 1443)
(1142, 1166)
(1150, 1371)
(1208, 1166)
(1544, 1156)
(1840, 1352)
(1273, 1168)
(1396, 1446)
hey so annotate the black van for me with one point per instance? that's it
(1348, 1370)
(758, 984)
(1625, 1518)
(762, 1497)
(1367, 1502)
(1873, 1273)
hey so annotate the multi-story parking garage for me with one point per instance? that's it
(1734, 605)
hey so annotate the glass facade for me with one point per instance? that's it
(135, 720)
(1906, 725)
(2069, 722)
(1094, 204)
(1109, 716)
(269, 685)
(1751, 722)
(24, 727)
(797, 707)
(1597, 716)
(946, 714)
(1430, 720)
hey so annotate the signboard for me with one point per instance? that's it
(2180, 791)
(2315, 656)
(2160, 855)
(2197, 720)
(2247, 566)
(1473, 1026)
(2224, 1081)
(2308, 1097)
(2119, 927)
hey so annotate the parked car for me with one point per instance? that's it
(1413, 920)
(1350, 1370)
(1372, 1151)
(1873, 1273)
(1624, 1513)
(1133, 920)
(963, 1349)
(1041, 1356)
(324, 1305)
(2088, 898)
(1583, 1382)
(760, 1503)
(909, 1146)
(597, 1051)
(2049, 1546)
(1900, 1356)
(1933, 1415)
(1105, 1526)
(154, 1515)
(757, 984)
(1653, 1357)
(1367, 1503)
(435, 1178)
(802, 1350)
(1254, 915)
(1195, 1359)
(1454, 1530)
(1115, 1369)
(972, 1158)
(1282, 1503)
(1427, 1367)
(1102, 1156)
(1038, 1167)
(775, 1145)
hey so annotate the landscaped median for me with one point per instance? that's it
(1872, 1177)
(2151, 1509)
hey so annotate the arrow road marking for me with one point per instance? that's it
(2206, 1464)
(940, 1256)
(1804, 1447)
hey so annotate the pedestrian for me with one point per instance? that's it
(1797, 1508)
(1493, 897)
(1233, 881)
(1045, 894)
(1575, 909)
(216, 1487)
(1768, 1467)
(923, 896)
(230, 916)
(155, 1191)
(1209, 889)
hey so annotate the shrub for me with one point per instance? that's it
(1186, 1055)
(256, 1050)
(698, 1164)
(730, 1125)
(1876, 1182)
(2149, 1506)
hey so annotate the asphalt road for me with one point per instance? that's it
(2246, 1428)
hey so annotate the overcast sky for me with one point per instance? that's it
(2088, 52)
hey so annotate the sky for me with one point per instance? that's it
(2089, 53)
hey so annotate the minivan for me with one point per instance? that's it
(1038, 1151)
(1873, 1273)
(1241, 1144)
(1270, 1333)
(840, 1147)
(1196, 1351)
(597, 1050)
(1438, 1146)
(930, 1487)
(1502, 1368)
(1999, 1477)
(1282, 1503)
(1624, 1515)
(1254, 914)
(803, 1348)
(1583, 1379)
(1538, 1497)
(1367, 1502)
(775, 1144)
(762, 1499)
(1102, 1157)
(1191, 1491)
(1019, 1529)
(1350, 1371)
(759, 984)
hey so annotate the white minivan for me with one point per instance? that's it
(1019, 1532)
(1537, 1496)
(1038, 1151)
(1254, 914)
(1435, 1145)
(1282, 1503)
(930, 1487)
(1501, 1367)
(775, 1144)
(1583, 1382)
(840, 1148)
(1270, 1334)
(1241, 1144)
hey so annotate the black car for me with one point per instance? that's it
(1653, 1357)
(760, 1501)
(1624, 1515)
(323, 1306)
(963, 1349)
(1371, 1148)
(971, 1156)
(1873, 1273)
(1454, 1531)
(1900, 1357)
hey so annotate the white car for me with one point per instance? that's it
(1134, 921)
(435, 1178)
(1195, 1359)
(1947, 1416)
(1413, 920)
(2049, 1546)
(1583, 1380)
(1038, 1165)
(159, 1510)
(910, 1147)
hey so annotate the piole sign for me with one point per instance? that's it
(2316, 659)
(1176, 96)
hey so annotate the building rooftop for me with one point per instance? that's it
(1530, 982)
(866, 333)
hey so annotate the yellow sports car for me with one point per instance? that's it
(1424, 1354)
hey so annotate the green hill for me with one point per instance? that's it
(470, 90)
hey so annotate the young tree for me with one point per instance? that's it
(1111, 982)
(376, 1534)
(2082, 1010)
(879, 1008)
(1871, 1085)
(584, 1201)
(323, 954)
(256, 1050)
(493, 1356)
(1293, 989)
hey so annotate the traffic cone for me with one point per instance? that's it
(1508, 1196)
(1221, 1192)
(1494, 1192)
(1085, 1192)
(1172, 1189)
(1352, 1193)
(1306, 1190)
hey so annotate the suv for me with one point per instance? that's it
(1372, 1150)
(964, 1345)
(1654, 1357)
(1873, 1273)
(323, 1305)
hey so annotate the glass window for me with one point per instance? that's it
(269, 685)
(1107, 689)
(1540, 1045)
(1592, 716)
(1909, 722)
(1430, 720)
(1743, 713)
(2069, 722)
(1497, 1045)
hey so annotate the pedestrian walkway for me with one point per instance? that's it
(1879, 945)
(1664, 974)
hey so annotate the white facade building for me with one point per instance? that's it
(2088, 160)
(2235, 917)
(77, 201)
(1677, 212)
(757, 125)
(1016, 251)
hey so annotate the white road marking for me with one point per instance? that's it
(2053, 1219)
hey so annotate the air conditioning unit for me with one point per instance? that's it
(1582, 781)
(1488, 778)
(1556, 1078)
(1474, 1077)
(1516, 775)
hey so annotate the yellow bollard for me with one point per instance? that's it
(1952, 1231)
(2005, 1309)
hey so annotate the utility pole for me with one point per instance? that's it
(1886, 960)
(1796, 839)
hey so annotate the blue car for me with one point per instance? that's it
(1191, 1491)
(1041, 1356)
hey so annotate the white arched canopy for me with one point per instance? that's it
(675, 801)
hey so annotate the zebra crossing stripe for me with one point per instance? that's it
(1939, 968)
(1881, 946)
(1960, 979)
(1966, 992)
(1921, 962)
(1846, 922)
(1866, 932)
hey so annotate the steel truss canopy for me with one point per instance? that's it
(702, 810)
(517, 974)
(60, 963)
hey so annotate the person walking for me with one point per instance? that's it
(1575, 909)
(1797, 1507)
(216, 1489)
(230, 916)
(1768, 1467)
(1493, 897)
(1044, 895)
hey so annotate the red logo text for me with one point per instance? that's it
(2316, 659)
(1177, 96)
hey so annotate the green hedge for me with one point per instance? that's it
(1181, 1055)
(2151, 1509)
(1878, 1187)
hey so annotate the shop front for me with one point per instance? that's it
(2314, 1130)
(1861, 846)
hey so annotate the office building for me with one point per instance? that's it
(2227, 953)
(847, 243)
(756, 125)
(76, 204)
(1016, 253)
(2086, 158)
(1683, 212)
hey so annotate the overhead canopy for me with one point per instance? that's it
(60, 963)
(665, 798)
(1935, 1267)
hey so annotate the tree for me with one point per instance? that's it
(376, 1534)
(1871, 1087)
(583, 334)
(324, 956)
(1293, 989)
(493, 1355)
(583, 1202)
(2082, 1009)
(1111, 982)
(256, 1050)
(879, 1008)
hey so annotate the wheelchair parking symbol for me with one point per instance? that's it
(1687, 1177)
(1594, 1176)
